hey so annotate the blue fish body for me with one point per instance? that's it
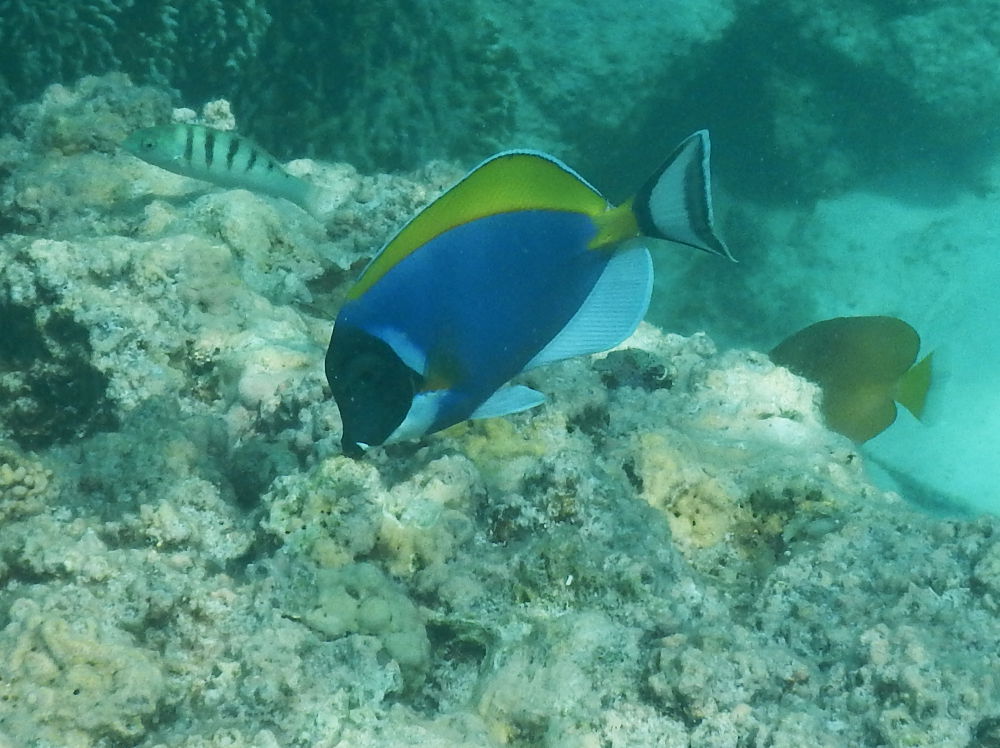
(492, 280)
(493, 303)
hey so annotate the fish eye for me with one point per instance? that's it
(365, 369)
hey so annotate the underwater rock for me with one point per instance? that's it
(50, 390)
(25, 483)
(57, 153)
(942, 56)
(93, 320)
(69, 684)
(328, 515)
(672, 550)
(359, 599)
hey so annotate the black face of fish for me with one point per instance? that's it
(372, 386)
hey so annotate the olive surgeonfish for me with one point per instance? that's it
(520, 264)
(862, 365)
(223, 158)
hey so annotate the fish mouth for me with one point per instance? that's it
(352, 449)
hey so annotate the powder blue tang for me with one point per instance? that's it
(520, 264)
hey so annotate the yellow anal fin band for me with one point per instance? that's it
(615, 225)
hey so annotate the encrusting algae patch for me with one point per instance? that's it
(700, 509)
(25, 483)
(672, 551)
(69, 683)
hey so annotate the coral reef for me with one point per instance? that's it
(449, 65)
(309, 78)
(68, 686)
(945, 58)
(858, 86)
(359, 599)
(671, 551)
(336, 62)
(159, 41)
(25, 483)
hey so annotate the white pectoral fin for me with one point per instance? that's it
(420, 417)
(611, 312)
(511, 399)
(676, 203)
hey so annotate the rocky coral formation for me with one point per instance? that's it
(25, 483)
(69, 685)
(163, 42)
(856, 87)
(946, 58)
(79, 349)
(929, 263)
(672, 551)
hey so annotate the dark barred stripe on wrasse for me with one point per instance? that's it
(209, 147)
(234, 146)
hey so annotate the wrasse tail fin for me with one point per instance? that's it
(319, 202)
(676, 202)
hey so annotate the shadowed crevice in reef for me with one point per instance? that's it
(49, 392)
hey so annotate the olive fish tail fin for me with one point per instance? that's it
(676, 202)
(914, 386)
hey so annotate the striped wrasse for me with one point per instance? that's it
(224, 158)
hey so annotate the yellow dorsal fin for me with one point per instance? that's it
(911, 392)
(509, 181)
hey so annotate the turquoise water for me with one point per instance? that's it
(672, 551)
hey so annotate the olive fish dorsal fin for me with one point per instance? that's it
(507, 182)
(850, 351)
